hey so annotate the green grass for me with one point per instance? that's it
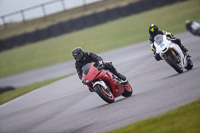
(9, 95)
(39, 23)
(115, 34)
(185, 119)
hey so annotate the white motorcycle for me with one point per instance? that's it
(194, 28)
(172, 54)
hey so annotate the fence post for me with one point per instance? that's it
(63, 5)
(84, 5)
(23, 17)
(43, 9)
(4, 23)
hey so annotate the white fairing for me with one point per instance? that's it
(195, 26)
(100, 83)
(162, 45)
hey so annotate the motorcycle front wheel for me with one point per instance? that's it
(174, 64)
(105, 94)
(127, 90)
(190, 64)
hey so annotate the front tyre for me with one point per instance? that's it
(105, 94)
(190, 64)
(172, 62)
(127, 90)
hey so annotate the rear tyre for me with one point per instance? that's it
(177, 66)
(105, 94)
(127, 90)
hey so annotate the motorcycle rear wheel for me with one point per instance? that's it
(106, 95)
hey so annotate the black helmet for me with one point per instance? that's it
(153, 29)
(78, 53)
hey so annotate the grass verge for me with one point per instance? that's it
(39, 23)
(115, 34)
(9, 95)
(185, 119)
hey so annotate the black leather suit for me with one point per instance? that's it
(91, 57)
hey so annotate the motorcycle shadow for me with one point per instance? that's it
(178, 74)
(116, 101)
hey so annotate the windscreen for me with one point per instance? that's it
(158, 39)
(86, 68)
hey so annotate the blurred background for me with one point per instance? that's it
(53, 28)
(16, 11)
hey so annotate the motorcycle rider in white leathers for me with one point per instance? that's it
(154, 30)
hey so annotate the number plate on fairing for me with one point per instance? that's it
(162, 45)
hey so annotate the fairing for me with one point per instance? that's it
(92, 74)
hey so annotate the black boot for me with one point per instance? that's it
(112, 69)
(184, 49)
(119, 75)
(178, 41)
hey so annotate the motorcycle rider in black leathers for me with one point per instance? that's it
(82, 58)
(154, 30)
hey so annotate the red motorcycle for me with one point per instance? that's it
(104, 83)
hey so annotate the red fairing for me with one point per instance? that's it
(94, 74)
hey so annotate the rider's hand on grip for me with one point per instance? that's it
(168, 38)
(100, 65)
(100, 62)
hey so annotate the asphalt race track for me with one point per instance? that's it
(66, 106)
